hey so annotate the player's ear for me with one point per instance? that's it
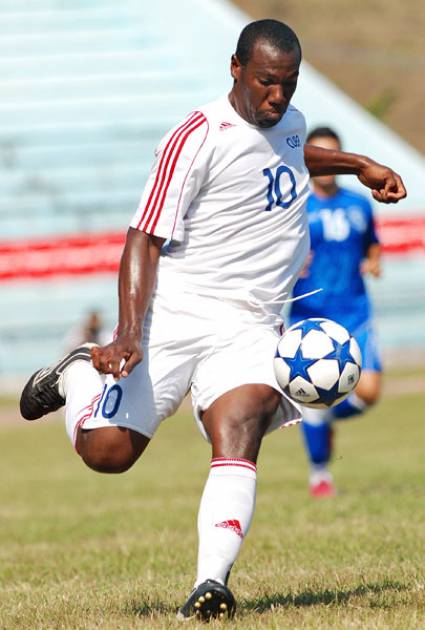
(235, 67)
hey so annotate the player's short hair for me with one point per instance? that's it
(323, 132)
(278, 34)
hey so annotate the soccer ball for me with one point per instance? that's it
(317, 362)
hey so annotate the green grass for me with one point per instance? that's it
(81, 550)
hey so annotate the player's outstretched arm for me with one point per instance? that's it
(386, 185)
(137, 276)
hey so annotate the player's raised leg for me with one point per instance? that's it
(235, 424)
(74, 382)
(366, 394)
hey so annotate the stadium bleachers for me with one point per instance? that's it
(86, 91)
(80, 113)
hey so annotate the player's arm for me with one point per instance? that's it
(159, 217)
(137, 276)
(386, 185)
(372, 263)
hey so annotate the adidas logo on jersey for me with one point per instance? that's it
(232, 524)
(225, 125)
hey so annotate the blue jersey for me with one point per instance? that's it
(341, 231)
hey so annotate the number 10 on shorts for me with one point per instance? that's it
(284, 177)
(109, 402)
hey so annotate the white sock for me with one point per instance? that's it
(224, 517)
(318, 473)
(316, 417)
(82, 387)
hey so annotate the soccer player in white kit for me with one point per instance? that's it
(227, 190)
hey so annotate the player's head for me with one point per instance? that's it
(321, 136)
(326, 138)
(265, 71)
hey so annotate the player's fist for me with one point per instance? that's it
(118, 357)
(387, 186)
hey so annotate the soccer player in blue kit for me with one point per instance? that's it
(344, 247)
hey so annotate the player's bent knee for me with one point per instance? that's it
(369, 389)
(111, 450)
(370, 394)
(371, 398)
(111, 464)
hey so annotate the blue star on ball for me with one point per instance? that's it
(329, 396)
(299, 365)
(341, 353)
(309, 324)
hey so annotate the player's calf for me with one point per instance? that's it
(110, 449)
(237, 421)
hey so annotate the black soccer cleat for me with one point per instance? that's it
(209, 600)
(41, 394)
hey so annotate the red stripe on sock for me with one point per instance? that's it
(218, 462)
(89, 412)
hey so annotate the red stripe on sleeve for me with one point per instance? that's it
(170, 175)
(162, 167)
(186, 176)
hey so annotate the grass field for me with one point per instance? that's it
(81, 550)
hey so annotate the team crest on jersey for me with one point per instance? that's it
(293, 141)
(225, 125)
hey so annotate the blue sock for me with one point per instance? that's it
(318, 441)
(351, 406)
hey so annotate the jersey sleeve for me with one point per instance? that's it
(174, 180)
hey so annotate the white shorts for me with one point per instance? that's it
(194, 344)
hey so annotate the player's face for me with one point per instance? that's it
(325, 182)
(264, 87)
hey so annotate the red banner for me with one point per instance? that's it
(74, 255)
(100, 253)
(402, 235)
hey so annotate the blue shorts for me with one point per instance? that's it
(366, 338)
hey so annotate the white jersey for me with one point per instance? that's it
(230, 197)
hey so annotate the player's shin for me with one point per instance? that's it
(225, 514)
(82, 388)
(317, 430)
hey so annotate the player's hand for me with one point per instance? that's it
(118, 357)
(387, 186)
(371, 266)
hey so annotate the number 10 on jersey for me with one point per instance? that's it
(283, 175)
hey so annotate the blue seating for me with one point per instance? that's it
(86, 91)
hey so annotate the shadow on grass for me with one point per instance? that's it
(311, 597)
(145, 609)
(266, 603)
